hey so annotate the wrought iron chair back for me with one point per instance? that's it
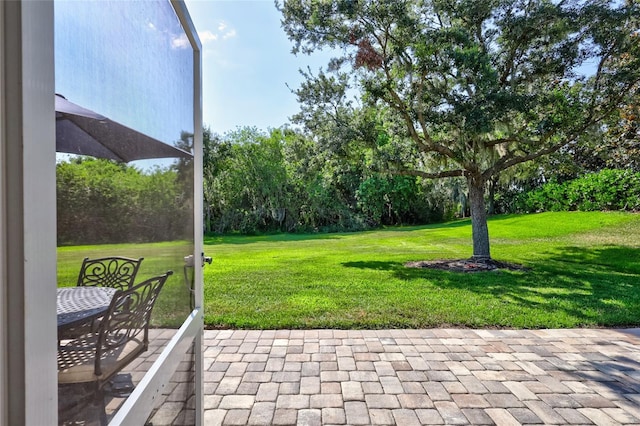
(128, 317)
(114, 271)
(122, 335)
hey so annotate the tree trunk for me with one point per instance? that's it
(479, 228)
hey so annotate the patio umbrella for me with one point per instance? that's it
(84, 132)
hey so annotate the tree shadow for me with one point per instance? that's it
(375, 265)
(595, 286)
(251, 239)
(619, 259)
(612, 371)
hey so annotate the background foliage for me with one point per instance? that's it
(605, 190)
(282, 181)
(99, 201)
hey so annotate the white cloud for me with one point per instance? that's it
(180, 42)
(229, 34)
(225, 31)
(207, 36)
(222, 32)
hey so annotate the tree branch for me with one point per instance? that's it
(495, 142)
(436, 175)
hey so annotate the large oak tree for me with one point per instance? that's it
(478, 86)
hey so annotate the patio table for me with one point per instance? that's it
(78, 305)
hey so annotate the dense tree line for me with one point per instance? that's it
(254, 182)
(283, 181)
(100, 201)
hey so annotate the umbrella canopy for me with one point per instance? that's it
(84, 132)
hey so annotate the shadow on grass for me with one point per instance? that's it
(378, 266)
(596, 286)
(617, 258)
(251, 239)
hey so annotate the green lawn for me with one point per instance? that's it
(584, 271)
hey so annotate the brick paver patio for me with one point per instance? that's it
(417, 377)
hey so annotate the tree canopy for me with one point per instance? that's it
(465, 88)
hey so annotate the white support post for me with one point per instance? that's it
(28, 214)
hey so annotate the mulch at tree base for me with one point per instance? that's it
(466, 265)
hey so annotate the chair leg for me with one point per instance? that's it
(99, 401)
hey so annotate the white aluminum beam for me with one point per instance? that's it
(138, 406)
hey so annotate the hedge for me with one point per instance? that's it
(605, 190)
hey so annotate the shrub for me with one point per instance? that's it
(605, 190)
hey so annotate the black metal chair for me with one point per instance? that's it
(121, 336)
(114, 271)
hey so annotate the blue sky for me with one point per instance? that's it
(247, 64)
